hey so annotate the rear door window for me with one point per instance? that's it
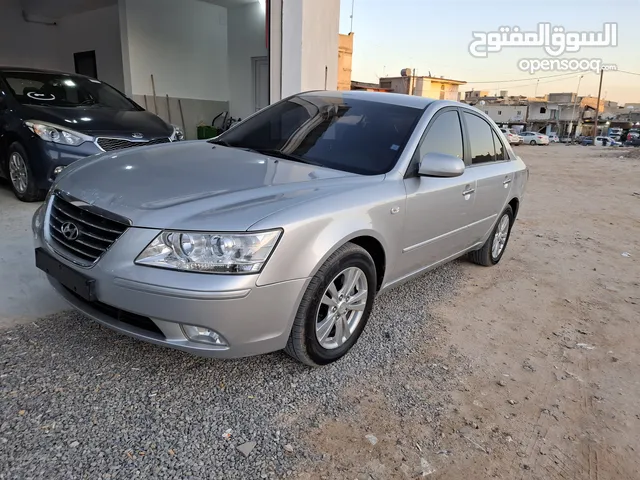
(480, 139)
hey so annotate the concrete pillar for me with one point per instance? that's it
(303, 46)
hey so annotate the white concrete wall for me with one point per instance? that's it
(97, 30)
(182, 43)
(246, 40)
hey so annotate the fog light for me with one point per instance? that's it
(203, 335)
(57, 170)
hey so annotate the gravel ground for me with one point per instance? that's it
(80, 401)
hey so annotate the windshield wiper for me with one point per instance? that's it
(285, 156)
(88, 101)
(224, 143)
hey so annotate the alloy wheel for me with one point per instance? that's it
(500, 238)
(18, 172)
(341, 308)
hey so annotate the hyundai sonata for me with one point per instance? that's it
(279, 233)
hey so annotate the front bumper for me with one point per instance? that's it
(46, 156)
(150, 303)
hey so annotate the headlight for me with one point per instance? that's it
(210, 252)
(57, 134)
(178, 134)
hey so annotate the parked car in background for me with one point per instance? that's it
(534, 138)
(566, 139)
(279, 233)
(606, 142)
(512, 137)
(49, 120)
(634, 142)
(553, 138)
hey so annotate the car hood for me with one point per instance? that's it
(94, 120)
(199, 186)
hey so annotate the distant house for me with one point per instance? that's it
(423, 86)
(369, 87)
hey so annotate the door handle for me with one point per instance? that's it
(468, 191)
(507, 181)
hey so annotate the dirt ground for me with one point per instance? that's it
(542, 349)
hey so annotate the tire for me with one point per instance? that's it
(533, 142)
(20, 175)
(485, 256)
(304, 344)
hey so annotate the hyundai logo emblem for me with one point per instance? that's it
(69, 231)
(137, 135)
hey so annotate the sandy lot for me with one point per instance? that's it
(542, 349)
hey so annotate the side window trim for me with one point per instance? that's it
(467, 144)
(409, 173)
(505, 152)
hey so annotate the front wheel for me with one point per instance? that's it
(493, 249)
(532, 142)
(21, 176)
(335, 308)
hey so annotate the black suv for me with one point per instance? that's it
(51, 119)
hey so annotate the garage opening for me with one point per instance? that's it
(188, 62)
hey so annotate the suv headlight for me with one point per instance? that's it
(210, 252)
(178, 134)
(57, 134)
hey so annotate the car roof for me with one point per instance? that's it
(4, 68)
(380, 97)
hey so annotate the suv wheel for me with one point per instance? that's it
(21, 176)
(335, 308)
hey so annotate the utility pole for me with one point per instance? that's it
(536, 92)
(595, 123)
(573, 113)
(413, 82)
(353, 3)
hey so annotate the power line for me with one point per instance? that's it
(548, 81)
(622, 71)
(529, 78)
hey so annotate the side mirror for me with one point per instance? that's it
(440, 165)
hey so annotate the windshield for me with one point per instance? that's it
(60, 90)
(354, 135)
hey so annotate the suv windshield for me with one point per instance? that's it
(354, 135)
(60, 90)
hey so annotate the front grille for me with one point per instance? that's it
(110, 144)
(89, 234)
(133, 319)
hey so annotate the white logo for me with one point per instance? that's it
(47, 97)
(554, 39)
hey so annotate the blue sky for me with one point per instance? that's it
(434, 37)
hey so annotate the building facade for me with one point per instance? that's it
(423, 86)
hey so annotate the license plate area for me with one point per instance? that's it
(74, 281)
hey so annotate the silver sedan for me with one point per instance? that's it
(279, 233)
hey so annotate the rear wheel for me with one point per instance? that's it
(21, 176)
(493, 249)
(532, 142)
(335, 308)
